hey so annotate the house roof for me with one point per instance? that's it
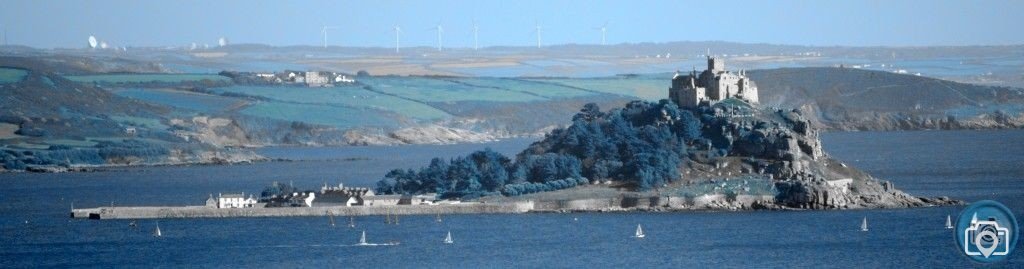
(232, 195)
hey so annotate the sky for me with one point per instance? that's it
(67, 24)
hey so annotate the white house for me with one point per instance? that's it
(234, 200)
(343, 79)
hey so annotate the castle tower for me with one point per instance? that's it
(712, 85)
(715, 65)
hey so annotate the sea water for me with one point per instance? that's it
(35, 230)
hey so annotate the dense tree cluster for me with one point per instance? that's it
(642, 143)
(481, 173)
(103, 152)
(276, 189)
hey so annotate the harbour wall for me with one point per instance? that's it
(621, 203)
(211, 212)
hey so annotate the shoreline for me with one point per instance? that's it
(709, 203)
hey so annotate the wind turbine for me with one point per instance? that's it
(476, 30)
(398, 38)
(323, 31)
(440, 31)
(537, 30)
(604, 32)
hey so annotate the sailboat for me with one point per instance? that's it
(351, 222)
(448, 239)
(362, 240)
(157, 233)
(949, 222)
(639, 232)
(438, 218)
(387, 217)
(864, 225)
(331, 216)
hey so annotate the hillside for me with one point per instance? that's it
(49, 123)
(855, 99)
(61, 101)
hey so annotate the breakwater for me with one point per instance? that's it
(156, 212)
(703, 202)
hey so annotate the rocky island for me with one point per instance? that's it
(710, 146)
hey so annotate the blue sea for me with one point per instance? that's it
(35, 231)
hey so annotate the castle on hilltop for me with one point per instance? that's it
(713, 85)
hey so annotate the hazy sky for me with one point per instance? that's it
(50, 23)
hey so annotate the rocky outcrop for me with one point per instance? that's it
(783, 146)
(426, 134)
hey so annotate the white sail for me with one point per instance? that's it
(157, 233)
(639, 232)
(949, 222)
(448, 239)
(362, 239)
(864, 225)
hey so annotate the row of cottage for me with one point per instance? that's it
(327, 196)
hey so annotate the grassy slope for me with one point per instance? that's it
(142, 78)
(12, 75)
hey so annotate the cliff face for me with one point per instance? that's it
(783, 146)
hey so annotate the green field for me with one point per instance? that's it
(647, 88)
(347, 96)
(183, 99)
(428, 89)
(141, 122)
(7, 130)
(341, 117)
(146, 78)
(12, 75)
(547, 90)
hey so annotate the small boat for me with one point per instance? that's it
(448, 239)
(438, 218)
(639, 232)
(132, 224)
(864, 225)
(331, 216)
(156, 232)
(362, 240)
(351, 222)
(949, 222)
